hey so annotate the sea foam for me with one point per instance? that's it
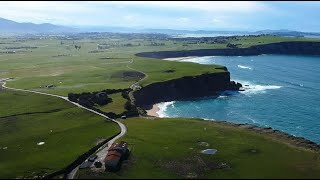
(163, 107)
(256, 88)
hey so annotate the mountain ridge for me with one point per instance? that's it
(10, 26)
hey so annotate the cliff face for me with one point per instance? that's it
(294, 48)
(184, 88)
(209, 84)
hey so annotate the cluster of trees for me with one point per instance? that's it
(131, 110)
(77, 47)
(88, 99)
(101, 98)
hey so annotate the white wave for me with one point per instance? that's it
(222, 97)
(251, 88)
(209, 119)
(163, 107)
(244, 67)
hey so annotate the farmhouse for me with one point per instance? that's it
(116, 154)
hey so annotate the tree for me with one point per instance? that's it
(77, 47)
(73, 97)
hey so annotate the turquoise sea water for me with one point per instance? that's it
(283, 92)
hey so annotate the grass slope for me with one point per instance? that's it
(117, 104)
(67, 131)
(169, 148)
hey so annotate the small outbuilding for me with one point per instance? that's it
(50, 86)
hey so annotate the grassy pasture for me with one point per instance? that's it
(27, 119)
(117, 104)
(170, 148)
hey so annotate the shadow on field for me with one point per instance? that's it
(29, 113)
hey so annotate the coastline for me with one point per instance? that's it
(286, 48)
(279, 135)
(179, 58)
(153, 111)
(257, 50)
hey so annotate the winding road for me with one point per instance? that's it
(104, 148)
(136, 83)
(102, 151)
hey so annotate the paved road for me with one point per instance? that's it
(104, 147)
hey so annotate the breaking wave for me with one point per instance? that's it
(244, 67)
(251, 88)
(163, 107)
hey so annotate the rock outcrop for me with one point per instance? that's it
(184, 88)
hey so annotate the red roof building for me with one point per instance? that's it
(116, 154)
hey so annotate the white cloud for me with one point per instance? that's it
(129, 13)
(18, 9)
(217, 6)
(40, 11)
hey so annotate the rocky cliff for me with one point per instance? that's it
(184, 88)
(293, 48)
(210, 84)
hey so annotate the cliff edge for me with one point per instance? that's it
(187, 87)
(291, 48)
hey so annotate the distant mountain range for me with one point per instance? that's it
(8, 26)
(12, 27)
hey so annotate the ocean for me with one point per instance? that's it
(282, 92)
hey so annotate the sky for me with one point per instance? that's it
(188, 15)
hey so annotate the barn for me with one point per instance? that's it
(116, 154)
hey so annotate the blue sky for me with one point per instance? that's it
(196, 15)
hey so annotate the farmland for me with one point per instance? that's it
(35, 62)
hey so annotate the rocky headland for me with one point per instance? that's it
(187, 87)
(288, 48)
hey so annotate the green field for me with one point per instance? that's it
(78, 71)
(66, 130)
(83, 71)
(169, 148)
(116, 106)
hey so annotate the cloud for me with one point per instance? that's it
(167, 14)
(217, 6)
(67, 11)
